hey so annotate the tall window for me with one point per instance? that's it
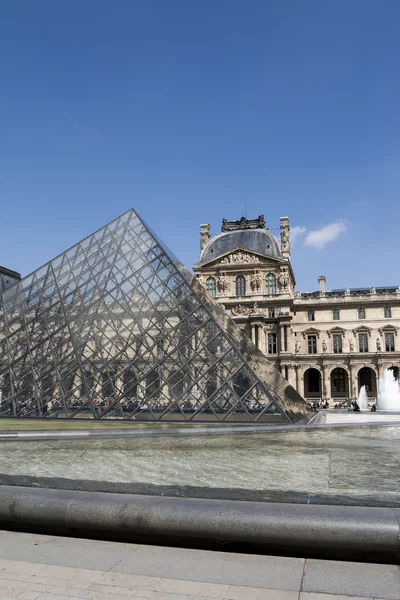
(211, 286)
(339, 380)
(240, 285)
(337, 344)
(361, 313)
(271, 313)
(336, 314)
(387, 312)
(270, 284)
(310, 315)
(363, 342)
(312, 344)
(389, 342)
(272, 343)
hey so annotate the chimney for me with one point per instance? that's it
(322, 284)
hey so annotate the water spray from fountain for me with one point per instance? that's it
(363, 398)
(388, 392)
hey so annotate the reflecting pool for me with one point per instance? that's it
(359, 461)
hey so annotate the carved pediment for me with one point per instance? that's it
(310, 331)
(241, 257)
(388, 329)
(336, 331)
(362, 329)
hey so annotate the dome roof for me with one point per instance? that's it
(260, 241)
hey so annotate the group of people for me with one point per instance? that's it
(317, 405)
(354, 406)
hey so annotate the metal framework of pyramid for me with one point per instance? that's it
(115, 327)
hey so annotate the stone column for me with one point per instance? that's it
(262, 339)
(353, 379)
(289, 340)
(119, 386)
(298, 378)
(253, 334)
(291, 375)
(281, 339)
(325, 382)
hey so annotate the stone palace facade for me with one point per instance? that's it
(327, 344)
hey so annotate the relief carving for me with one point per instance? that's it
(238, 258)
(240, 310)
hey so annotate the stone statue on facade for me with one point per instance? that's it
(285, 236)
(204, 236)
(324, 346)
(223, 283)
(255, 307)
(256, 282)
(297, 347)
(347, 292)
(378, 345)
(372, 290)
(283, 280)
(351, 346)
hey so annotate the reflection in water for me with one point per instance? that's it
(351, 461)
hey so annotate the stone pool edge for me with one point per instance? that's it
(72, 434)
(325, 531)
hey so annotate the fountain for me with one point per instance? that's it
(363, 399)
(388, 392)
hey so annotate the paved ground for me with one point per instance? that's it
(361, 417)
(37, 567)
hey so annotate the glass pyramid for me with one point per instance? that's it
(116, 328)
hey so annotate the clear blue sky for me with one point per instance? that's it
(184, 108)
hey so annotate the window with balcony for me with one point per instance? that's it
(310, 315)
(211, 286)
(363, 342)
(337, 344)
(387, 312)
(312, 344)
(361, 313)
(240, 285)
(336, 314)
(389, 341)
(272, 343)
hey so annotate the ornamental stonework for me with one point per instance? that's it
(240, 258)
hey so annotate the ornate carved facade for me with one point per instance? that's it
(326, 343)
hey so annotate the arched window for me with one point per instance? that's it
(240, 285)
(270, 283)
(211, 286)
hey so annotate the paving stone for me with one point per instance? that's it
(19, 566)
(215, 567)
(250, 593)
(164, 596)
(316, 596)
(213, 590)
(352, 579)
(111, 589)
(54, 550)
(72, 573)
(29, 595)
(129, 581)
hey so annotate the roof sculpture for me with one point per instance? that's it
(116, 327)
